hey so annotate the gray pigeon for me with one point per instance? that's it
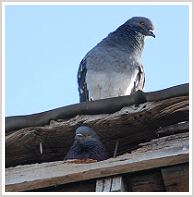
(113, 67)
(87, 145)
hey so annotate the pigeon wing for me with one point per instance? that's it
(82, 86)
(139, 82)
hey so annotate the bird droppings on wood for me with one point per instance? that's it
(78, 161)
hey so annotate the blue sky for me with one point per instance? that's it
(44, 45)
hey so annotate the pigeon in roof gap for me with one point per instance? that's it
(113, 67)
(87, 145)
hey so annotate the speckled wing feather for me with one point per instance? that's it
(82, 86)
(139, 82)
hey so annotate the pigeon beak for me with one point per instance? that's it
(79, 135)
(151, 33)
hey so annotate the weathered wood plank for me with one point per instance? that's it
(180, 127)
(81, 186)
(132, 125)
(104, 185)
(146, 181)
(176, 178)
(29, 177)
(178, 142)
(118, 184)
(111, 184)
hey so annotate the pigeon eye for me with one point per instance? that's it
(89, 135)
(142, 24)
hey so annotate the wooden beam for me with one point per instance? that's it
(102, 106)
(166, 151)
(80, 186)
(146, 181)
(176, 178)
(180, 127)
(132, 125)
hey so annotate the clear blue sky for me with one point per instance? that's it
(45, 44)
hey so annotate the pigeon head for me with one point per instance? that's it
(84, 134)
(142, 25)
(131, 35)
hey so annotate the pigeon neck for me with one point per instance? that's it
(127, 38)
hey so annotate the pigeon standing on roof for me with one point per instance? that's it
(113, 67)
(87, 145)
